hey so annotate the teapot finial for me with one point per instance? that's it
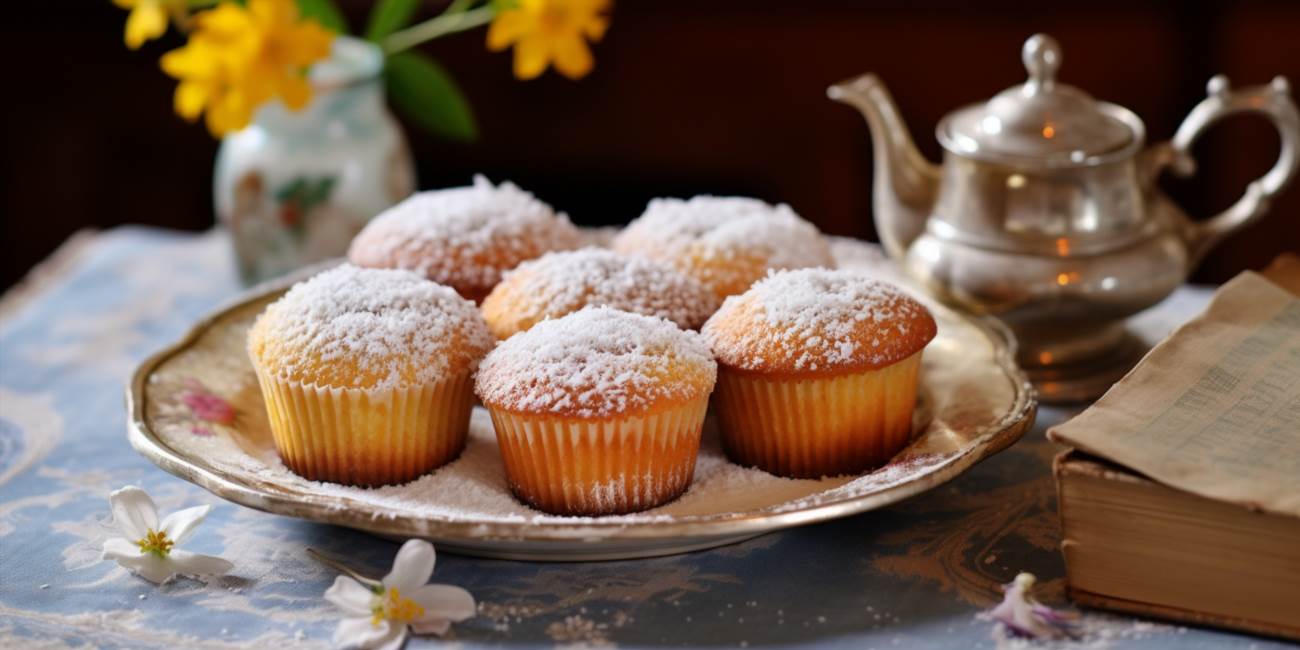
(1042, 57)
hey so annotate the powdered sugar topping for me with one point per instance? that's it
(818, 320)
(473, 488)
(563, 282)
(594, 363)
(719, 229)
(350, 327)
(464, 235)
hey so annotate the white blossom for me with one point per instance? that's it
(380, 615)
(149, 548)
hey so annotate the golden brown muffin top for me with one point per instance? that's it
(560, 283)
(727, 243)
(464, 237)
(597, 363)
(818, 322)
(377, 329)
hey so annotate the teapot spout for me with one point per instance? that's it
(905, 184)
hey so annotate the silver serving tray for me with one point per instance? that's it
(974, 402)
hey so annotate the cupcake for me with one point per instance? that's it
(727, 243)
(464, 237)
(560, 283)
(598, 412)
(817, 372)
(367, 374)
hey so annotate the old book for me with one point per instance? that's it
(1182, 497)
(1135, 545)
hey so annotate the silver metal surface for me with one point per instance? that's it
(975, 403)
(1041, 122)
(1046, 214)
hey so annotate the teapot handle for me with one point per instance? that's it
(1274, 102)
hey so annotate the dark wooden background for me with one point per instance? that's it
(720, 96)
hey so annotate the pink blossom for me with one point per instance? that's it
(207, 406)
(1022, 615)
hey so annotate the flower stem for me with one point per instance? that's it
(341, 568)
(447, 23)
(458, 6)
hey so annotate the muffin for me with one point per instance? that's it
(727, 243)
(598, 412)
(367, 374)
(817, 372)
(557, 284)
(464, 237)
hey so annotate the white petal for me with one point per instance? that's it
(412, 567)
(350, 596)
(396, 637)
(361, 633)
(431, 625)
(180, 525)
(149, 566)
(133, 511)
(116, 548)
(193, 564)
(444, 601)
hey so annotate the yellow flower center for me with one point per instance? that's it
(395, 608)
(554, 18)
(156, 542)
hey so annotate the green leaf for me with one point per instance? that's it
(324, 12)
(320, 192)
(290, 190)
(422, 90)
(389, 16)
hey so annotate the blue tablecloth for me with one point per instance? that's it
(913, 575)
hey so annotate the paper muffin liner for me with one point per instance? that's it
(367, 437)
(819, 426)
(571, 466)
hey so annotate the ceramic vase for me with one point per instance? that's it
(294, 187)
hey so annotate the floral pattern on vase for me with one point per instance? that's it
(294, 187)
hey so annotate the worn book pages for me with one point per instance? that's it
(1215, 408)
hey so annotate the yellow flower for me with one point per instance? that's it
(148, 19)
(239, 58)
(546, 31)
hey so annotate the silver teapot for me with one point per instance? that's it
(1045, 212)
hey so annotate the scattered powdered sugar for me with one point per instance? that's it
(350, 327)
(594, 363)
(902, 468)
(818, 319)
(717, 228)
(473, 487)
(464, 235)
(559, 283)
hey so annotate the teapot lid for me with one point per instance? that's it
(1041, 122)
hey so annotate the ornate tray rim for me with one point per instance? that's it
(464, 536)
